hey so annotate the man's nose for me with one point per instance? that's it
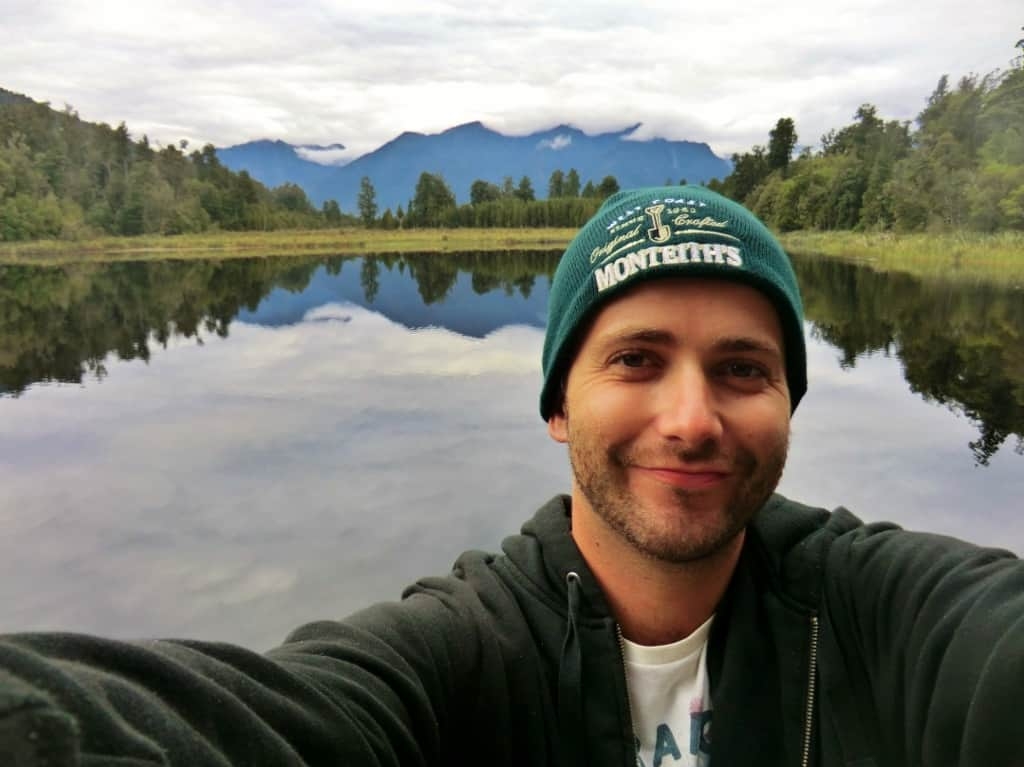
(688, 410)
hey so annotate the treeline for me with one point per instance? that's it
(62, 177)
(961, 166)
(490, 205)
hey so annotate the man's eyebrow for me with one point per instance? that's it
(648, 335)
(722, 345)
(725, 343)
(746, 344)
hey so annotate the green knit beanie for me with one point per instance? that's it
(643, 234)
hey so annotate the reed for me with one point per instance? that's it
(998, 257)
(972, 255)
(282, 243)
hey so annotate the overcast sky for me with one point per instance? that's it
(360, 73)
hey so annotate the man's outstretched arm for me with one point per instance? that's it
(375, 689)
(930, 635)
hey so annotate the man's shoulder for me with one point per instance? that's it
(800, 543)
(784, 528)
(792, 541)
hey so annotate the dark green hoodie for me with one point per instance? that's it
(837, 643)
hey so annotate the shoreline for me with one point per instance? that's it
(284, 242)
(997, 256)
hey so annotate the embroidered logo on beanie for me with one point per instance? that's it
(661, 221)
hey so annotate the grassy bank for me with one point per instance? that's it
(282, 243)
(998, 257)
(974, 256)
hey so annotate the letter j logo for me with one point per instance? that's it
(659, 231)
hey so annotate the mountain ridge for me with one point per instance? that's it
(472, 151)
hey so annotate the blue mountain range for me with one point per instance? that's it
(469, 152)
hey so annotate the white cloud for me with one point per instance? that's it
(337, 155)
(360, 74)
(560, 141)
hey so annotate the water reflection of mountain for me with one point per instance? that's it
(961, 344)
(423, 291)
(61, 323)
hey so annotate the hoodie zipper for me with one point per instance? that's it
(812, 668)
(629, 698)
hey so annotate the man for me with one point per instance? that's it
(670, 611)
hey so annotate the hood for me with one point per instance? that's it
(790, 541)
(543, 555)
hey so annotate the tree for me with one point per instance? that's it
(331, 213)
(572, 184)
(367, 201)
(861, 137)
(433, 198)
(589, 190)
(608, 186)
(556, 185)
(289, 196)
(781, 141)
(748, 170)
(481, 191)
(524, 191)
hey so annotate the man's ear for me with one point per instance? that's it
(558, 425)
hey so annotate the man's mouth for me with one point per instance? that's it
(688, 478)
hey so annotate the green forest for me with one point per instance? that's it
(62, 177)
(959, 166)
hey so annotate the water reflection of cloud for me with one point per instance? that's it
(236, 488)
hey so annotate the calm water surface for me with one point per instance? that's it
(228, 449)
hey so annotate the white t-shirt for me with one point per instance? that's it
(671, 702)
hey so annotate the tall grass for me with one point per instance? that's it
(282, 243)
(997, 257)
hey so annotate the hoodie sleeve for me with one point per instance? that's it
(371, 690)
(930, 638)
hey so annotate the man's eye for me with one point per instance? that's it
(633, 359)
(745, 370)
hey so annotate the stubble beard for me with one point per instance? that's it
(675, 536)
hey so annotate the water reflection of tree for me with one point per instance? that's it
(369, 278)
(961, 344)
(436, 274)
(61, 323)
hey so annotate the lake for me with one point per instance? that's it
(227, 449)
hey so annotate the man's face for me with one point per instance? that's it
(676, 414)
